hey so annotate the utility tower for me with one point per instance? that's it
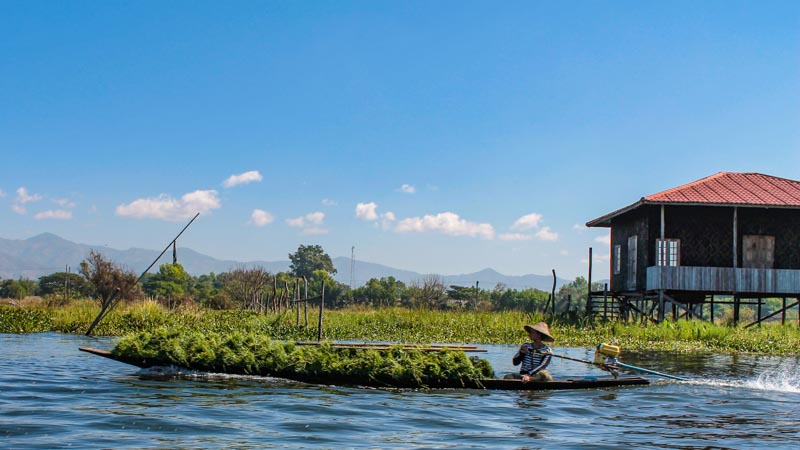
(352, 267)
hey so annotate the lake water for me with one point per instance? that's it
(54, 396)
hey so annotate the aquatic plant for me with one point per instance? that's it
(249, 353)
(409, 326)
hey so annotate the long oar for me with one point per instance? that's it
(665, 375)
(619, 364)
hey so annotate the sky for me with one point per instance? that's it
(441, 137)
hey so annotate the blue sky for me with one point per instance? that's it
(441, 137)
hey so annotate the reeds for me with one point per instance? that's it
(409, 326)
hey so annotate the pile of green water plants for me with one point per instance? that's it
(256, 354)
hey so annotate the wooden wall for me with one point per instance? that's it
(706, 234)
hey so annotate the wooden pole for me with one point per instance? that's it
(321, 309)
(758, 308)
(297, 301)
(105, 309)
(783, 312)
(589, 288)
(553, 296)
(305, 303)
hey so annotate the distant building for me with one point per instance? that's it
(730, 234)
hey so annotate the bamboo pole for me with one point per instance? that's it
(321, 309)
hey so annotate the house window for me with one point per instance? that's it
(617, 259)
(668, 252)
(759, 251)
(632, 265)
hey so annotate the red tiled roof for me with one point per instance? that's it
(722, 189)
(733, 188)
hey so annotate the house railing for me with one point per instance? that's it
(724, 279)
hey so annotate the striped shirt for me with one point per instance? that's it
(534, 360)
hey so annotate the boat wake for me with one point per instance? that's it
(181, 373)
(785, 378)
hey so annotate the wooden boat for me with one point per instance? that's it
(492, 384)
(569, 383)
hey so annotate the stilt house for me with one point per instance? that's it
(731, 234)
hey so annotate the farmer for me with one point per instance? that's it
(535, 355)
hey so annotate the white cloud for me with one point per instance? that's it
(54, 214)
(407, 188)
(366, 211)
(329, 202)
(514, 237)
(447, 223)
(314, 218)
(22, 198)
(66, 203)
(259, 218)
(2, 193)
(546, 235)
(527, 222)
(165, 207)
(242, 178)
(579, 227)
(606, 239)
(563, 253)
(387, 219)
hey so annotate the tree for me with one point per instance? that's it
(205, 289)
(384, 292)
(336, 294)
(308, 259)
(110, 283)
(574, 294)
(171, 281)
(247, 286)
(17, 289)
(430, 292)
(61, 283)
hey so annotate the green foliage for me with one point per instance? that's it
(59, 283)
(384, 292)
(17, 289)
(24, 320)
(525, 300)
(308, 259)
(249, 353)
(171, 281)
(409, 325)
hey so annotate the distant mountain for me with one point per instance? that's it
(47, 253)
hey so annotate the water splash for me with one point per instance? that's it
(785, 378)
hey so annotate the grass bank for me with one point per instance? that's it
(407, 326)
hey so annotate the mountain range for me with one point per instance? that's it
(48, 253)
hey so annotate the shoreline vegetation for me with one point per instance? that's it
(404, 325)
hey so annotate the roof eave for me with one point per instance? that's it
(605, 221)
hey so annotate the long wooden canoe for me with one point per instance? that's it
(569, 383)
(493, 384)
